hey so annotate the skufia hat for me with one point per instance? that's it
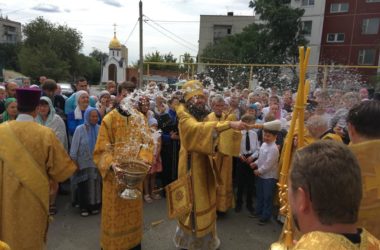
(28, 98)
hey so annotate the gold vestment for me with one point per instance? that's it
(198, 142)
(322, 241)
(368, 155)
(121, 224)
(30, 155)
(228, 144)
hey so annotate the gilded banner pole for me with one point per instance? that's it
(286, 238)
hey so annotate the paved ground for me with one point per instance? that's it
(69, 231)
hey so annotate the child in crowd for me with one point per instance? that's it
(249, 151)
(150, 180)
(265, 168)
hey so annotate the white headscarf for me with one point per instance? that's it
(77, 111)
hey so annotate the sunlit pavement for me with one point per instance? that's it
(69, 231)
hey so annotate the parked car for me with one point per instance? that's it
(67, 88)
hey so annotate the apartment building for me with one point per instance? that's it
(351, 34)
(10, 31)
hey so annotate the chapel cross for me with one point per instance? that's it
(114, 28)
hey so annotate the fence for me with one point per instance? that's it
(283, 76)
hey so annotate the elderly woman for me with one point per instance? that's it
(86, 183)
(103, 105)
(10, 112)
(46, 116)
(75, 118)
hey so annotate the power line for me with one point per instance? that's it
(170, 37)
(130, 34)
(173, 21)
(178, 37)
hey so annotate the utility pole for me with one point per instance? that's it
(141, 65)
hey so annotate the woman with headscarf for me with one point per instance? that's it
(75, 118)
(86, 183)
(103, 105)
(10, 112)
(46, 116)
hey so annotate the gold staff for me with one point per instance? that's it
(286, 238)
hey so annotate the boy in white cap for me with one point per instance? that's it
(265, 169)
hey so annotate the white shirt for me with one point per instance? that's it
(253, 141)
(268, 161)
(25, 118)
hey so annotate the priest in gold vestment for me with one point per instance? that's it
(325, 191)
(364, 132)
(197, 228)
(223, 160)
(30, 155)
(122, 220)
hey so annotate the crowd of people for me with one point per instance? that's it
(199, 138)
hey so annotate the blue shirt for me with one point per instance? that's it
(73, 123)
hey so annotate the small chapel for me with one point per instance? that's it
(115, 67)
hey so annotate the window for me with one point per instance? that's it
(338, 7)
(307, 2)
(10, 38)
(373, 1)
(221, 31)
(306, 27)
(335, 37)
(366, 56)
(370, 26)
(10, 29)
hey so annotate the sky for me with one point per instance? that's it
(169, 25)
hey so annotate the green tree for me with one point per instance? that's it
(284, 27)
(169, 58)
(60, 42)
(43, 60)
(274, 41)
(187, 58)
(8, 56)
(157, 57)
(185, 65)
(88, 67)
(154, 57)
(98, 55)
